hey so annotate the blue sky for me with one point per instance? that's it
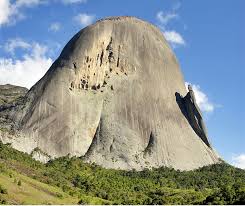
(206, 36)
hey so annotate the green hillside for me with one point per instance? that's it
(10, 95)
(71, 181)
(20, 189)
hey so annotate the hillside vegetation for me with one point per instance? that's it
(71, 181)
(10, 94)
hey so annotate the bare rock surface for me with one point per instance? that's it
(111, 98)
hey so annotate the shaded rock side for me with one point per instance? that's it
(110, 97)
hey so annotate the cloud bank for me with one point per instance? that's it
(10, 12)
(27, 70)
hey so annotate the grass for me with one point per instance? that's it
(31, 191)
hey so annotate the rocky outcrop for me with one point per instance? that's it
(39, 155)
(111, 98)
(10, 95)
(194, 116)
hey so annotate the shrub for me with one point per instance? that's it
(3, 190)
(59, 195)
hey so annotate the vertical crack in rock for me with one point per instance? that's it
(118, 58)
(95, 141)
(74, 65)
(101, 57)
(111, 146)
(150, 145)
(109, 48)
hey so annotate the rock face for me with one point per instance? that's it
(111, 98)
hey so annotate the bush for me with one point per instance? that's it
(59, 195)
(82, 202)
(2, 201)
(3, 190)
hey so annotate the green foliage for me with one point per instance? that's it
(59, 195)
(215, 184)
(38, 150)
(2, 201)
(3, 190)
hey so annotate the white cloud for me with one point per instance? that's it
(5, 11)
(84, 19)
(73, 1)
(239, 161)
(166, 18)
(174, 38)
(55, 26)
(13, 44)
(12, 12)
(201, 98)
(27, 70)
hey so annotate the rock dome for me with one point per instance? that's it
(111, 98)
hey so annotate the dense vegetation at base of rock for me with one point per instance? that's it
(89, 183)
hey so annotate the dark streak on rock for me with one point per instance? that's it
(101, 57)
